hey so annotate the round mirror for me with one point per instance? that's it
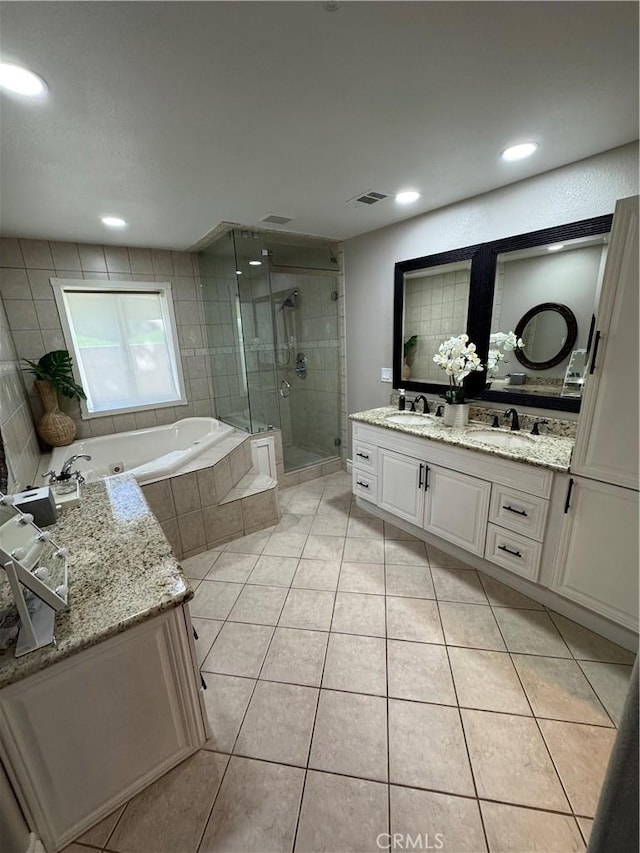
(549, 332)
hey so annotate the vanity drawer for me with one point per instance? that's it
(365, 485)
(365, 457)
(517, 553)
(518, 511)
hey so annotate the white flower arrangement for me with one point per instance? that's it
(499, 343)
(458, 358)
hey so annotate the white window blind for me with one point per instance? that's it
(124, 344)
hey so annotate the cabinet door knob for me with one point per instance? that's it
(509, 551)
(513, 509)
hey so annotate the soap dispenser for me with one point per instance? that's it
(402, 400)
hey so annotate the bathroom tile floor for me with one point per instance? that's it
(362, 684)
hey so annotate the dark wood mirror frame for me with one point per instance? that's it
(484, 258)
(572, 333)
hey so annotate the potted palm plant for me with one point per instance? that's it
(54, 375)
(409, 353)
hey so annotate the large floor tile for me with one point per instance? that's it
(357, 613)
(278, 723)
(393, 532)
(409, 553)
(511, 829)
(356, 663)
(341, 814)
(530, 632)
(285, 544)
(558, 689)
(487, 681)
(501, 595)
(295, 657)
(293, 523)
(610, 682)
(585, 645)
(99, 834)
(419, 671)
(581, 754)
(304, 504)
(251, 544)
(444, 560)
(232, 567)
(350, 735)
(317, 574)
(335, 507)
(308, 608)
(226, 699)
(363, 550)
(585, 824)
(259, 604)
(412, 581)
(256, 810)
(323, 525)
(149, 823)
(214, 599)
(413, 619)
(239, 649)
(199, 566)
(207, 630)
(323, 547)
(458, 585)
(365, 528)
(510, 761)
(470, 625)
(362, 577)
(443, 821)
(274, 571)
(426, 748)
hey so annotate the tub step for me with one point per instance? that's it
(253, 483)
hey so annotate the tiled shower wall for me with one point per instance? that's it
(16, 426)
(25, 269)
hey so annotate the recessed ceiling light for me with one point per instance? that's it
(407, 197)
(21, 81)
(255, 263)
(113, 222)
(555, 247)
(519, 152)
(238, 272)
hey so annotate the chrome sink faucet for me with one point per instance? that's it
(425, 404)
(65, 471)
(515, 420)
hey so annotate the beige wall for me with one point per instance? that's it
(16, 426)
(25, 269)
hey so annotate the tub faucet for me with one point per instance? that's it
(425, 404)
(65, 471)
(515, 421)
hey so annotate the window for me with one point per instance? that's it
(122, 337)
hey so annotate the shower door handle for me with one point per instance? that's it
(285, 388)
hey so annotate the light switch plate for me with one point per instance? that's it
(386, 374)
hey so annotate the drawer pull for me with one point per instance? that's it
(420, 480)
(364, 485)
(362, 455)
(509, 551)
(517, 511)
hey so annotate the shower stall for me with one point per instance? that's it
(271, 315)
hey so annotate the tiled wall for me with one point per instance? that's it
(25, 269)
(16, 426)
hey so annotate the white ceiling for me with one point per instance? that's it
(177, 116)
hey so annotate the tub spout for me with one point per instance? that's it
(65, 471)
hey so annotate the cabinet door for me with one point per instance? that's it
(457, 508)
(607, 437)
(597, 558)
(401, 485)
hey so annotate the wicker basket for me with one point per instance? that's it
(55, 428)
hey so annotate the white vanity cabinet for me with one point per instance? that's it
(490, 507)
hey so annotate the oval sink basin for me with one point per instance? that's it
(500, 439)
(409, 419)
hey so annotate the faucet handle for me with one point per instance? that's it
(535, 430)
(495, 423)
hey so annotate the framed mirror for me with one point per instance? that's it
(511, 284)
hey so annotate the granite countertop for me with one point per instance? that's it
(543, 451)
(121, 571)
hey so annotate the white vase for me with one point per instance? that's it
(456, 414)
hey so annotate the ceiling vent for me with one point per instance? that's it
(368, 198)
(273, 219)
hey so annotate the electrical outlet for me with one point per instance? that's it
(386, 374)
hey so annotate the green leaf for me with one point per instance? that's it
(55, 367)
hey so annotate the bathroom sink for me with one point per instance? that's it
(410, 419)
(499, 438)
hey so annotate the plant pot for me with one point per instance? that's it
(55, 428)
(456, 414)
(406, 370)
